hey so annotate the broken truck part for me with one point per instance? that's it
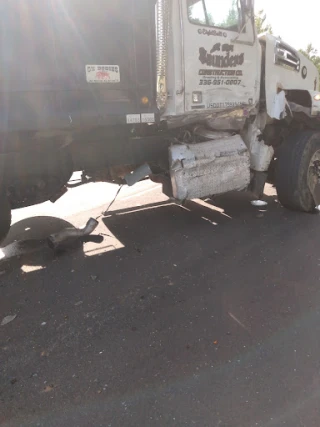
(210, 167)
(183, 91)
(62, 238)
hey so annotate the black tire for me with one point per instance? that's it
(293, 162)
(5, 217)
(271, 179)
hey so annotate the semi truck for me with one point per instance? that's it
(182, 91)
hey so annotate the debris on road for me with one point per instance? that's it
(8, 319)
(259, 203)
(67, 237)
(138, 174)
(43, 323)
(48, 388)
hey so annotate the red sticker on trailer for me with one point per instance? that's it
(103, 73)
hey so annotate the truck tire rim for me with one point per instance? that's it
(314, 171)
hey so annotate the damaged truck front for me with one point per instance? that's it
(185, 87)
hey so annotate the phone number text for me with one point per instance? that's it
(219, 82)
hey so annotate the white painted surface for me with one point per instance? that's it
(260, 156)
(209, 168)
(279, 77)
(260, 153)
(226, 71)
(230, 84)
(278, 108)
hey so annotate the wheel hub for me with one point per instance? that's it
(314, 177)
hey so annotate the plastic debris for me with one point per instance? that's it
(8, 319)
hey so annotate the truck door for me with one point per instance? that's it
(221, 53)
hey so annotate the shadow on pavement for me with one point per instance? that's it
(136, 229)
(195, 317)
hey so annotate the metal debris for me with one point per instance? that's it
(138, 174)
(70, 235)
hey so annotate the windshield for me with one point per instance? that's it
(215, 13)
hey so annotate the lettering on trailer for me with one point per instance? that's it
(221, 61)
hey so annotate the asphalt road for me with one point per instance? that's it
(202, 315)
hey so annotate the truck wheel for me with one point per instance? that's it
(298, 171)
(5, 217)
